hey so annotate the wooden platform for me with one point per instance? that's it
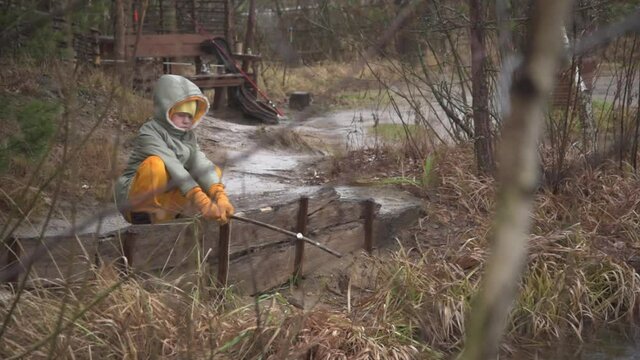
(251, 258)
(212, 81)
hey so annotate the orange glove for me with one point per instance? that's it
(208, 209)
(216, 192)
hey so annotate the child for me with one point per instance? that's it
(166, 152)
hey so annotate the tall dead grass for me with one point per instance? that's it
(152, 318)
(580, 272)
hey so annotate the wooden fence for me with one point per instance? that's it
(252, 258)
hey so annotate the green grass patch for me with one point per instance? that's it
(360, 98)
(397, 132)
(422, 181)
(601, 109)
(398, 180)
(28, 127)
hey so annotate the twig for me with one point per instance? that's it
(287, 232)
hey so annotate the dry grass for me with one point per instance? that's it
(130, 109)
(569, 289)
(580, 274)
(128, 322)
(96, 170)
(152, 318)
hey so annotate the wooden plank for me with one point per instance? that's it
(110, 251)
(216, 81)
(385, 227)
(261, 270)
(346, 239)
(247, 57)
(58, 258)
(9, 254)
(260, 258)
(270, 266)
(334, 213)
(158, 248)
(167, 45)
(248, 235)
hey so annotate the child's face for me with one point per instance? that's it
(182, 120)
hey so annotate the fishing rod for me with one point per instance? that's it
(298, 236)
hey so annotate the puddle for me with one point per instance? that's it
(391, 200)
(262, 162)
(606, 344)
(351, 128)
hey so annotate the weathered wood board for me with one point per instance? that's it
(154, 248)
(53, 259)
(262, 259)
(258, 260)
(273, 265)
(245, 236)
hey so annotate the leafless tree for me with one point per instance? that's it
(518, 175)
(480, 90)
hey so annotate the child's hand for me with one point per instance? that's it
(216, 192)
(225, 207)
(207, 208)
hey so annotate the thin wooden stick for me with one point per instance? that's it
(287, 232)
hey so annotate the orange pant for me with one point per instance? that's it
(152, 178)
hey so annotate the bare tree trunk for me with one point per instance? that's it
(248, 39)
(404, 41)
(119, 34)
(480, 91)
(518, 176)
(230, 24)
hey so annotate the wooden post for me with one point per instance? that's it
(95, 46)
(483, 145)
(126, 263)
(218, 97)
(369, 206)
(11, 260)
(223, 254)
(302, 229)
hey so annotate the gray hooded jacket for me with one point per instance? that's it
(186, 164)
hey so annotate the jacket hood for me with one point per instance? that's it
(171, 90)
